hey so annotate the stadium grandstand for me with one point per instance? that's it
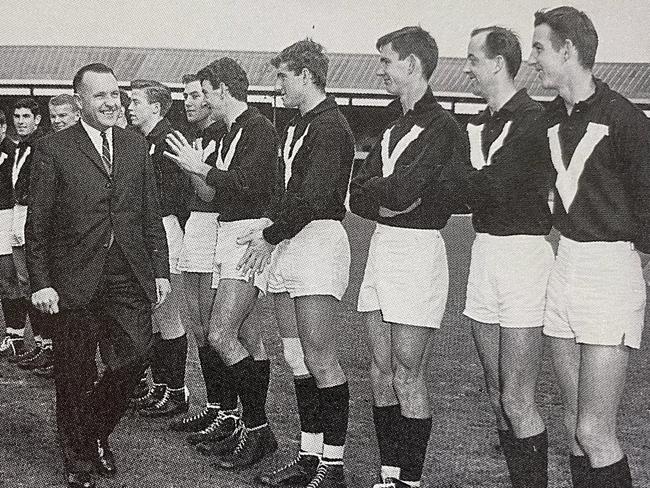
(44, 71)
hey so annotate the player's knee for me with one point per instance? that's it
(294, 356)
(218, 340)
(317, 366)
(380, 378)
(408, 384)
(591, 434)
(515, 406)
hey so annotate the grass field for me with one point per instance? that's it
(462, 450)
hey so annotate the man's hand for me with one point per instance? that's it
(184, 155)
(163, 288)
(258, 254)
(387, 213)
(46, 300)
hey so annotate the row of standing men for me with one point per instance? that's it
(259, 224)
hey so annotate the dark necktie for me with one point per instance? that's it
(106, 154)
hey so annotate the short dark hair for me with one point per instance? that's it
(189, 78)
(125, 99)
(64, 99)
(3, 117)
(574, 25)
(305, 54)
(28, 103)
(230, 73)
(92, 68)
(155, 92)
(503, 42)
(413, 40)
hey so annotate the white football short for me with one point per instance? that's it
(596, 294)
(228, 253)
(316, 261)
(6, 231)
(19, 217)
(174, 233)
(507, 280)
(199, 243)
(406, 276)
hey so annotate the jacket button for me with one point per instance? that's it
(105, 246)
(108, 185)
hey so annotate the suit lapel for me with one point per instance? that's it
(118, 147)
(87, 147)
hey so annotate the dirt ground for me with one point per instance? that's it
(462, 451)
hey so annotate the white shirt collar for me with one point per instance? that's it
(96, 137)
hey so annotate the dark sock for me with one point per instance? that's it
(615, 475)
(505, 441)
(15, 312)
(158, 373)
(580, 471)
(212, 368)
(334, 407)
(175, 357)
(262, 371)
(308, 405)
(246, 383)
(38, 321)
(528, 461)
(387, 420)
(413, 443)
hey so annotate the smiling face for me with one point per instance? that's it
(549, 62)
(394, 72)
(478, 67)
(196, 108)
(214, 98)
(25, 122)
(63, 116)
(290, 86)
(99, 97)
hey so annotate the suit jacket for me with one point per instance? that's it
(74, 204)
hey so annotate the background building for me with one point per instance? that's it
(44, 71)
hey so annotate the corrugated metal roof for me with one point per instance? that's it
(354, 72)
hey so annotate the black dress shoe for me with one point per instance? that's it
(80, 480)
(105, 459)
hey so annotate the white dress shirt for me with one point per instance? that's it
(96, 137)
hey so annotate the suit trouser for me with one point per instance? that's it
(119, 320)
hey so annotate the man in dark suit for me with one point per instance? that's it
(97, 255)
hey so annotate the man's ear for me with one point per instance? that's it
(569, 49)
(37, 119)
(499, 63)
(306, 76)
(415, 65)
(78, 99)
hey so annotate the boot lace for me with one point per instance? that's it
(243, 436)
(222, 416)
(321, 473)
